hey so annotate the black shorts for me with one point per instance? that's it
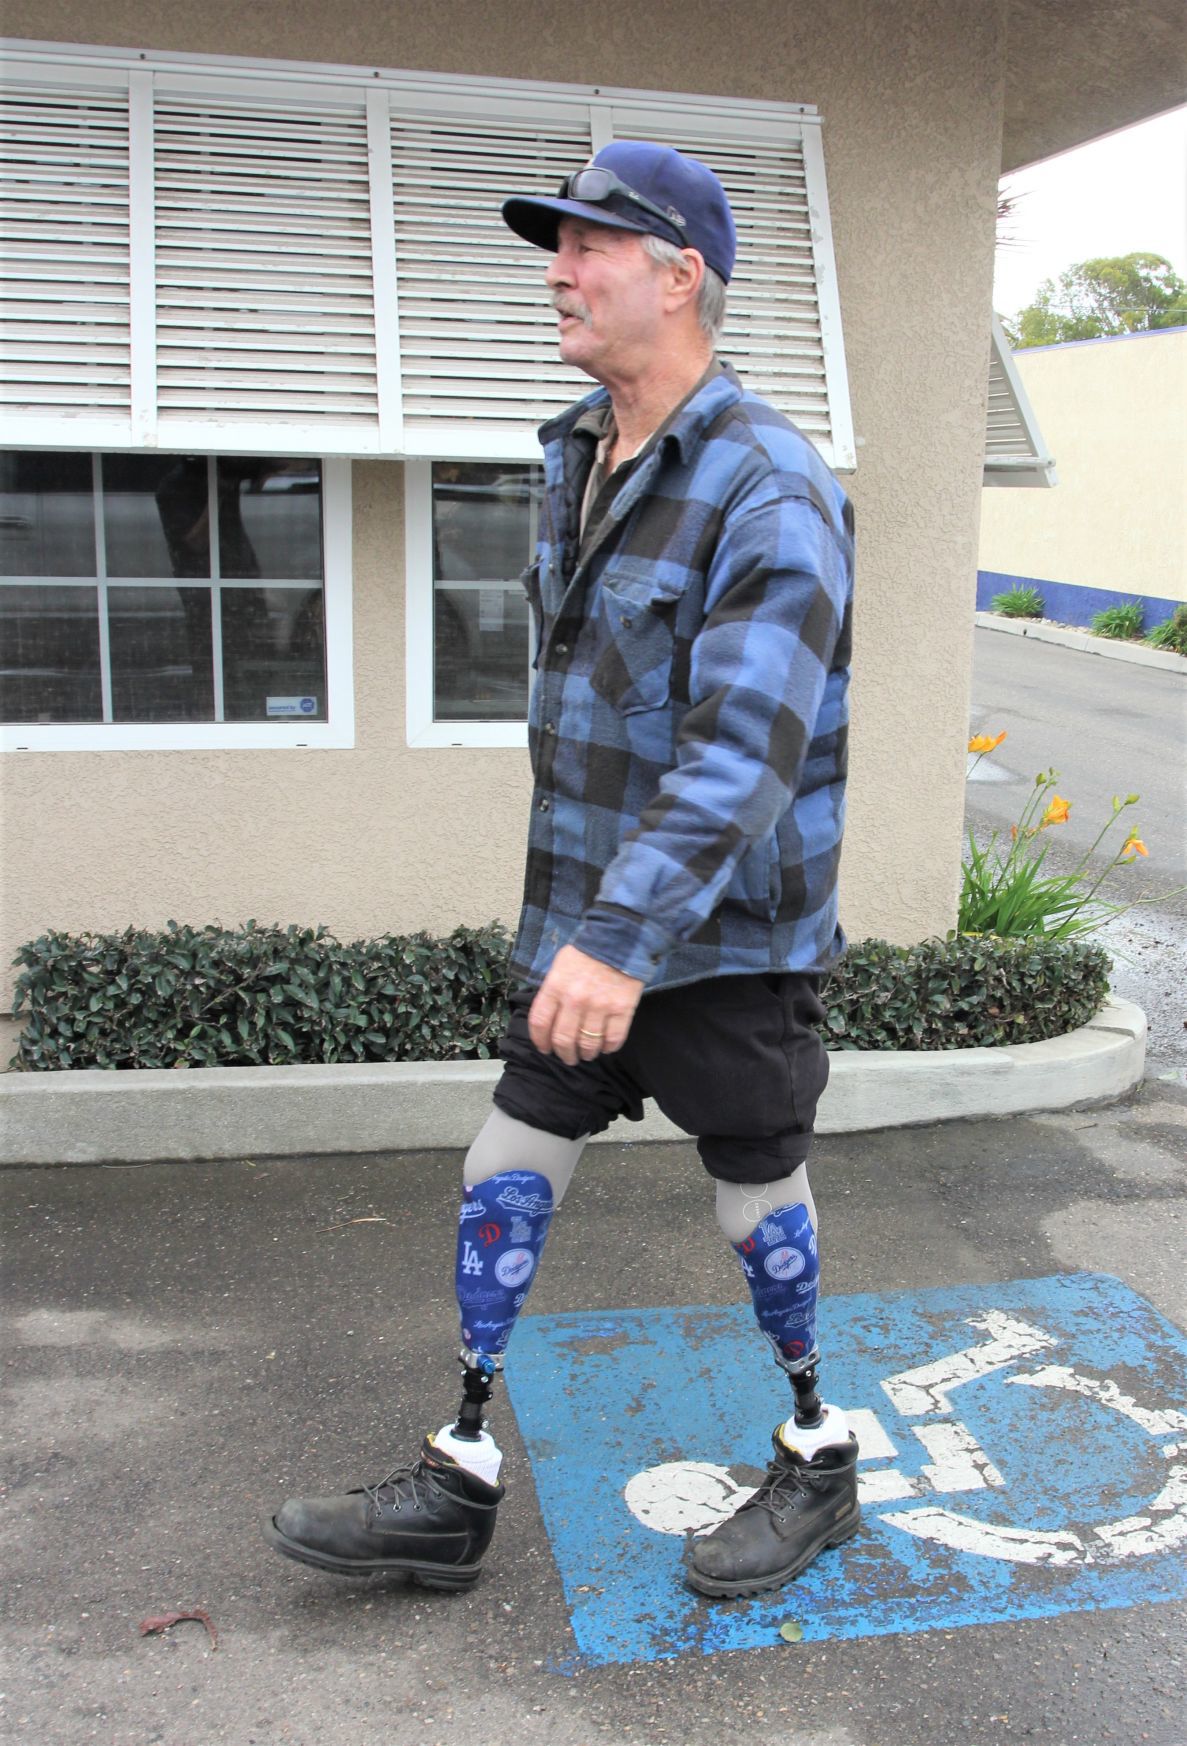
(733, 1060)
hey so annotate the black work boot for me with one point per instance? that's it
(800, 1508)
(432, 1521)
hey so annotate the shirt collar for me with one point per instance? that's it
(718, 388)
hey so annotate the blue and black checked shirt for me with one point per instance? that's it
(689, 715)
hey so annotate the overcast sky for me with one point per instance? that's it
(1121, 194)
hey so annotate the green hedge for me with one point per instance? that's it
(967, 990)
(212, 996)
(223, 997)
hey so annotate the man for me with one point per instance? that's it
(692, 595)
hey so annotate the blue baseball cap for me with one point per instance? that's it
(649, 188)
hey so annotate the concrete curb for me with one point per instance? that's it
(93, 1117)
(1041, 632)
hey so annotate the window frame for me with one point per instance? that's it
(336, 732)
(421, 728)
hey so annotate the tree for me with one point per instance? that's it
(1117, 294)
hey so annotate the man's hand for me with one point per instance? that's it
(583, 1008)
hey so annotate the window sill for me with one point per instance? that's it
(212, 736)
(469, 734)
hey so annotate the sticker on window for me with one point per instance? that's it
(491, 602)
(292, 706)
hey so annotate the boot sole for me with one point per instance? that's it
(722, 1588)
(426, 1575)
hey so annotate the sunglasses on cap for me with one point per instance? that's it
(595, 186)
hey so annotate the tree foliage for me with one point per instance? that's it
(1110, 295)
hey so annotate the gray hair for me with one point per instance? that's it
(710, 297)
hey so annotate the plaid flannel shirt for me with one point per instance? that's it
(689, 713)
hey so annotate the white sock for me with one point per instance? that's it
(833, 1428)
(480, 1456)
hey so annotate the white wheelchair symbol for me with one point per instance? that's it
(681, 1497)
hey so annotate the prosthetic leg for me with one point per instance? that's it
(434, 1518)
(808, 1500)
(502, 1227)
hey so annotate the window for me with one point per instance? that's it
(152, 600)
(471, 533)
(484, 535)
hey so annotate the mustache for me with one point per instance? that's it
(571, 306)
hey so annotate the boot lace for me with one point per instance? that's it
(784, 1482)
(412, 1480)
(418, 1481)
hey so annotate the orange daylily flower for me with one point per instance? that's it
(1134, 842)
(985, 742)
(1056, 812)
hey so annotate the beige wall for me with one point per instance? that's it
(386, 838)
(1114, 415)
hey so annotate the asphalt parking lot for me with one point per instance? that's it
(189, 1343)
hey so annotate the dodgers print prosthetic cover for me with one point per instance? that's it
(782, 1270)
(501, 1230)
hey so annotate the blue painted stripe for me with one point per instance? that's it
(1104, 339)
(1071, 602)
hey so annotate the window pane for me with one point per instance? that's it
(156, 515)
(483, 520)
(484, 532)
(47, 515)
(269, 519)
(49, 654)
(273, 654)
(161, 654)
(480, 654)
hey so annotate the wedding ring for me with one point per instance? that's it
(584, 1033)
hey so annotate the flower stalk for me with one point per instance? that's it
(1004, 890)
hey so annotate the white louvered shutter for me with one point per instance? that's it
(232, 257)
(477, 333)
(1015, 453)
(264, 290)
(773, 333)
(64, 259)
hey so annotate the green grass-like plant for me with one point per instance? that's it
(1018, 603)
(1005, 891)
(1124, 620)
(223, 997)
(1171, 633)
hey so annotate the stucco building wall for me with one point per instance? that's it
(385, 838)
(1114, 415)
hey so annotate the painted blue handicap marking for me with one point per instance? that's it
(1024, 1453)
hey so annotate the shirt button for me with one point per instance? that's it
(562, 648)
(549, 727)
(545, 804)
(627, 623)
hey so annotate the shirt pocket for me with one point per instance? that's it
(758, 880)
(633, 668)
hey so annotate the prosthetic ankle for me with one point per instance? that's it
(467, 1440)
